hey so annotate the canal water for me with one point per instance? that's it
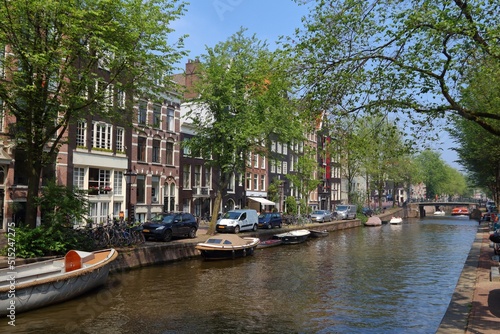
(388, 279)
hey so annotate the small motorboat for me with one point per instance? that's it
(396, 220)
(44, 283)
(269, 243)
(439, 213)
(318, 233)
(373, 221)
(227, 246)
(293, 237)
(460, 211)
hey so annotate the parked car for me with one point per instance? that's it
(171, 224)
(321, 216)
(238, 220)
(270, 220)
(346, 211)
(367, 211)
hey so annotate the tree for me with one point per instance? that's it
(410, 57)
(243, 97)
(479, 150)
(305, 179)
(436, 174)
(66, 59)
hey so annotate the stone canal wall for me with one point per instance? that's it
(159, 252)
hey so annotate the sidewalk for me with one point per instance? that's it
(475, 304)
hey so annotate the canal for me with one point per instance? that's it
(388, 279)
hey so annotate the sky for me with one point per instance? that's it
(208, 22)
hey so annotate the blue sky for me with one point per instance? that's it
(208, 22)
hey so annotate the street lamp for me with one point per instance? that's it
(129, 179)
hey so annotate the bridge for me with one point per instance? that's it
(418, 209)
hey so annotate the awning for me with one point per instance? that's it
(262, 201)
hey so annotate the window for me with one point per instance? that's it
(256, 160)
(155, 189)
(186, 176)
(81, 134)
(256, 182)
(169, 203)
(278, 146)
(118, 183)
(101, 135)
(120, 99)
(197, 176)
(142, 115)
(156, 151)
(99, 179)
(262, 182)
(21, 168)
(170, 119)
(263, 162)
(141, 189)
(169, 151)
(285, 167)
(273, 166)
(278, 167)
(157, 116)
(285, 149)
(120, 133)
(141, 148)
(230, 186)
(208, 177)
(78, 177)
(249, 181)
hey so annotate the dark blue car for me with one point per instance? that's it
(270, 220)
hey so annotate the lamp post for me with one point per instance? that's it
(129, 174)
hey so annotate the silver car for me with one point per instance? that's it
(321, 216)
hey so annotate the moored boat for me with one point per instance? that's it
(396, 220)
(439, 213)
(227, 246)
(460, 211)
(293, 237)
(373, 221)
(269, 243)
(318, 233)
(34, 285)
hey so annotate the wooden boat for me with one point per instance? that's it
(293, 237)
(227, 246)
(269, 243)
(460, 211)
(373, 221)
(396, 220)
(34, 285)
(318, 233)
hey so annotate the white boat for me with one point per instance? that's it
(227, 246)
(34, 285)
(293, 237)
(439, 213)
(396, 220)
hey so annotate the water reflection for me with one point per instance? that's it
(391, 279)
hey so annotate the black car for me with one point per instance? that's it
(171, 224)
(270, 220)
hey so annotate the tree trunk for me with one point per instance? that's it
(215, 213)
(33, 189)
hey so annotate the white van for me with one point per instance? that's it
(347, 211)
(238, 220)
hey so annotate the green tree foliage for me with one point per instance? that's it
(403, 56)
(479, 150)
(57, 52)
(439, 178)
(306, 177)
(244, 97)
(55, 236)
